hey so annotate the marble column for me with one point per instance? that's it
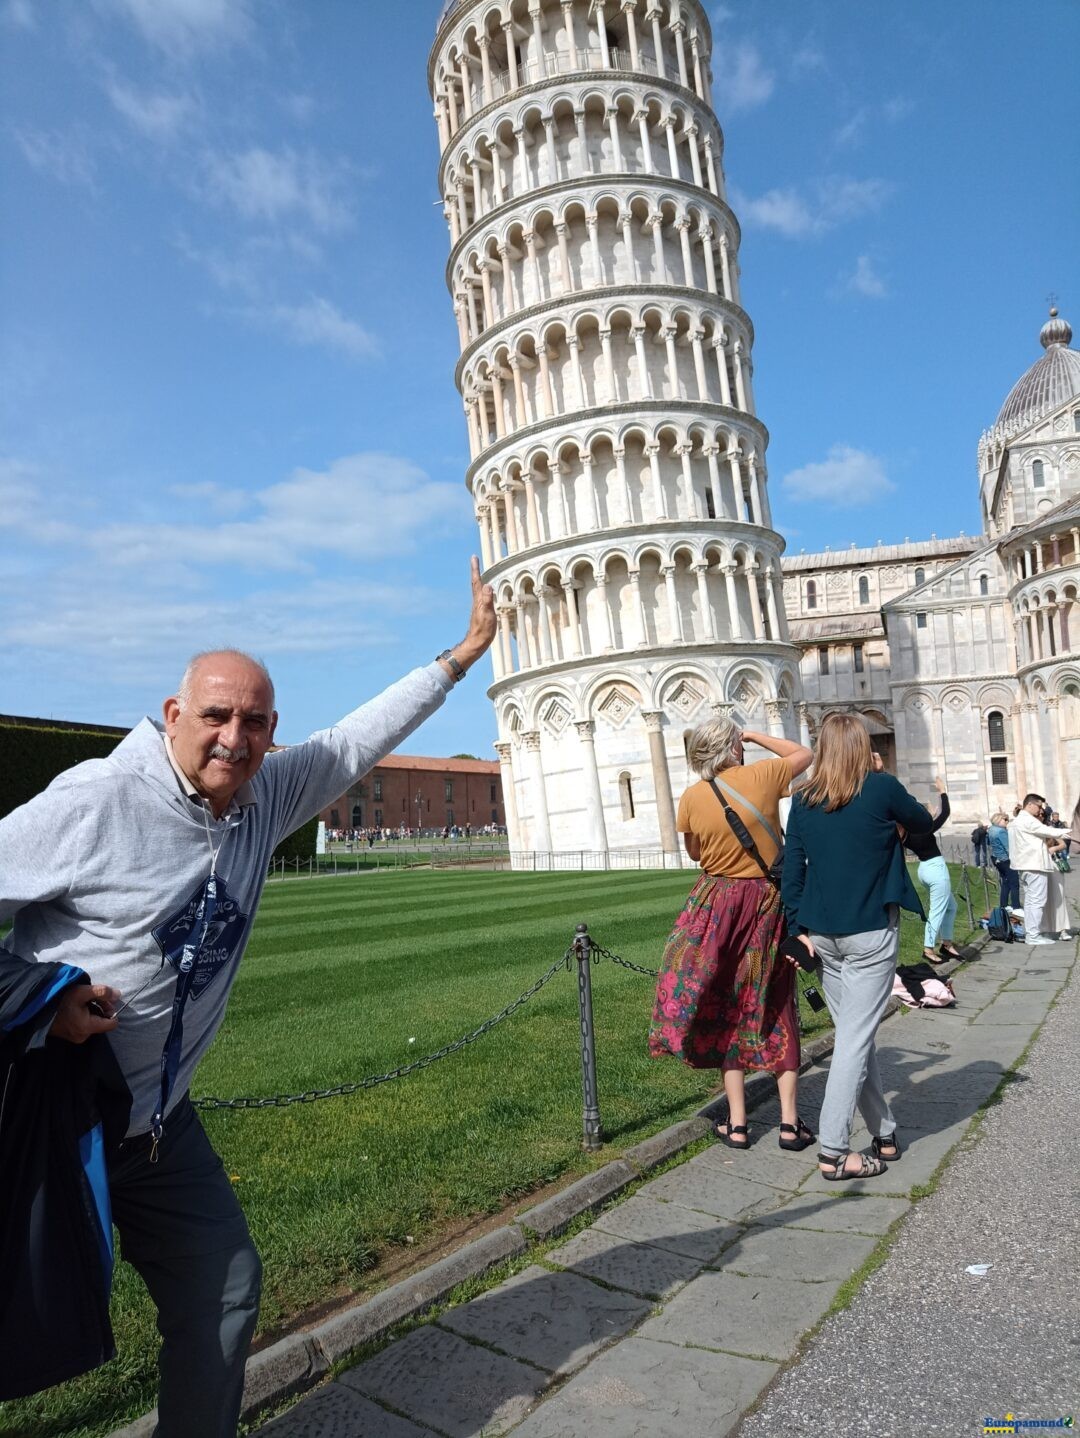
(594, 799)
(805, 737)
(541, 823)
(506, 770)
(665, 803)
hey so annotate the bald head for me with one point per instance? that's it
(211, 657)
(221, 722)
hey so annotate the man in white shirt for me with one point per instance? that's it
(1041, 884)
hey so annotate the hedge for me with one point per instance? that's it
(31, 758)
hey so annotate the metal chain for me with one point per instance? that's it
(601, 953)
(284, 1100)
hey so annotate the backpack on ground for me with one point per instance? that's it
(999, 926)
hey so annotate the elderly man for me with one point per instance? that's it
(1029, 855)
(145, 870)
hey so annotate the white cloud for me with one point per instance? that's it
(847, 479)
(829, 202)
(158, 116)
(364, 506)
(262, 185)
(65, 156)
(721, 14)
(180, 28)
(745, 82)
(317, 322)
(866, 281)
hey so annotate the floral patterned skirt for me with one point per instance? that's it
(723, 998)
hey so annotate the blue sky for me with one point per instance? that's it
(227, 412)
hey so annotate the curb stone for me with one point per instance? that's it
(298, 1361)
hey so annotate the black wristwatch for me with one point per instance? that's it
(457, 669)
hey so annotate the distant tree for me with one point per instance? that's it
(463, 756)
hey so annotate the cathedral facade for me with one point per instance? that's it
(963, 655)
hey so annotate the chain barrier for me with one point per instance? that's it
(599, 953)
(340, 1090)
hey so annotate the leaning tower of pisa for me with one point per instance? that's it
(617, 464)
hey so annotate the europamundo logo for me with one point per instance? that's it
(1011, 1424)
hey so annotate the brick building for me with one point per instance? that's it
(421, 793)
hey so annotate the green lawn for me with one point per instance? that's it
(356, 975)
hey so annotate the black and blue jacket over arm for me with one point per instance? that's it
(62, 1106)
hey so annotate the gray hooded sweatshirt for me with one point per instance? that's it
(107, 869)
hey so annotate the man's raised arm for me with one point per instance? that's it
(308, 776)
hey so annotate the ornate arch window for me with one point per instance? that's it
(626, 795)
(864, 589)
(1076, 421)
(811, 594)
(995, 734)
(920, 576)
(984, 584)
(1038, 475)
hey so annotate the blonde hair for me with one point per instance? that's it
(713, 746)
(841, 762)
(1000, 818)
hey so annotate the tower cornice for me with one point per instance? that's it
(594, 415)
(577, 189)
(608, 294)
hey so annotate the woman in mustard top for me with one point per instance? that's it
(723, 998)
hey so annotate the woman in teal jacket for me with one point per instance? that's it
(845, 882)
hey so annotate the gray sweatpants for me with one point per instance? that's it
(857, 976)
(183, 1230)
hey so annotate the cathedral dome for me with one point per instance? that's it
(1051, 381)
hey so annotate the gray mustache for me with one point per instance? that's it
(231, 756)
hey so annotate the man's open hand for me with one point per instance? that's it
(482, 621)
(85, 1010)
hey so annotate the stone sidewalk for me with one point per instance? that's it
(676, 1307)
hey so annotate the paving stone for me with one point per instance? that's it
(454, 1386)
(555, 1214)
(338, 1412)
(796, 1253)
(712, 1190)
(651, 1390)
(637, 1267)
(668, 1225)
(756, 1317)
(555, 1320)
(764, 1162)
(833, 1213)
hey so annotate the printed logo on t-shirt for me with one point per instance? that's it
(215, 948)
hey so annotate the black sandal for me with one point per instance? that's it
(803, 1137)
(732, 1130)
(871, 1167)
(879, 1145)
(953, 953)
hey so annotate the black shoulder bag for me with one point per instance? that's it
(774, 872)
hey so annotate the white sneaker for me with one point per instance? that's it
(1038, 939)
(1065, 937)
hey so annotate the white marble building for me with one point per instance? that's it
(964, 654)
(617, 463)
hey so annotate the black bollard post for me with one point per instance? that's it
(592, 1133)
